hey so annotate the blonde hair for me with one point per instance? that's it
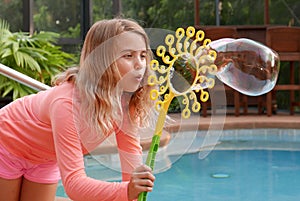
(97, 77)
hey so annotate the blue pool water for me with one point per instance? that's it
(244, 175)
(248, 175)
(247, 165)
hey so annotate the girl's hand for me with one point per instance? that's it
(142, 180)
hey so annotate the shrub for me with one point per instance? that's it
(34, 55)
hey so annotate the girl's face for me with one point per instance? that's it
(132, 60)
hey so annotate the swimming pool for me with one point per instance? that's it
(246, 164)
(235, 175)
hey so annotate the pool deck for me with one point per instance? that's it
(234, 122)
(217, 122)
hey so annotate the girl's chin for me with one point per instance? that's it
(131, 89)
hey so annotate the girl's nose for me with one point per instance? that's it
(139, 63)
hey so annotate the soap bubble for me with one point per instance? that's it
(245, 65)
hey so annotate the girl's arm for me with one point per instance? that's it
(130, 152)
(69, 154)
(140, 177)
(128, 140)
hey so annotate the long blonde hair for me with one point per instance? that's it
(97, 77)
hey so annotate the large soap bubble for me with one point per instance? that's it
(245, 65)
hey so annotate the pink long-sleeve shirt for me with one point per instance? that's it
(43, 127)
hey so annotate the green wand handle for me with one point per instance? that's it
(156, 139)
(150, 161)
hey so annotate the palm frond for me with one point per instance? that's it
(5, 53)
(7, 90)
(24, 60)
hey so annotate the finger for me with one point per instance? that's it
(141, 189)
(145, 182)
(144, 185)
(143, 168)
(144, 175)
(136, 186)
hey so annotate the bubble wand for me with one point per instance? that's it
(185, 73)
(245, 65)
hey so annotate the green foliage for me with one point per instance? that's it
(102, 9)
(72, 32)
(58, 16)
(11, 10)
(160, 13)
(285, 12)
(175, 105)
(242, 12)
(34, 55)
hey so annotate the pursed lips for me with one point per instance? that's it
(139, 77)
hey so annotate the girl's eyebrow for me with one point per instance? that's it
(131, 50)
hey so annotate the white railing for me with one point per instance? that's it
(23, 79)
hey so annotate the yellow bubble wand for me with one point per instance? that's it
(188, 70)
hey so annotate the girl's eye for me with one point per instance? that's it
(128, 55)
(143, 55)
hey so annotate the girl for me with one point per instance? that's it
(43, 136)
